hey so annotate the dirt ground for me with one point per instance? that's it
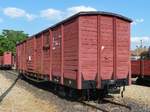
(25, 97)
(139, 93)
(21, 100)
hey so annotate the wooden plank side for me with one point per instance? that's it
(135, 68)
(18, 54)
(107, 47)
(56, 51)
(46, 53)
(146, 68)
(24, 56)
(39, 54)
(88, 47)
(71, 49)
(30, 59)
(122, 35)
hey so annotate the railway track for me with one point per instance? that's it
(95, 106)
(4, 94)
(12, 72)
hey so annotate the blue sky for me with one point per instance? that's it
(32, 16)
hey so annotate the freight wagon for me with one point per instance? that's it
(86, 52)
(140, 68)
(6, 60)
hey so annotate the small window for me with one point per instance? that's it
(46, 42)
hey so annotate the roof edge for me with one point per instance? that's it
(87, 13)
(81, 14)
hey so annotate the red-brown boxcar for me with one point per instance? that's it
(140, 68)
(7, 61)
(146, 68)
(86, 51)
(135, 68)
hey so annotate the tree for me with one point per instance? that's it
(9, 39)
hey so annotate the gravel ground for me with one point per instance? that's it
(26, 97)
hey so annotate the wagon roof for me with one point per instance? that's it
(88, 13)
(82, 14)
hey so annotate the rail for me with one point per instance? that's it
(4, 94)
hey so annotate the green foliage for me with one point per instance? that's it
(9, 39)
